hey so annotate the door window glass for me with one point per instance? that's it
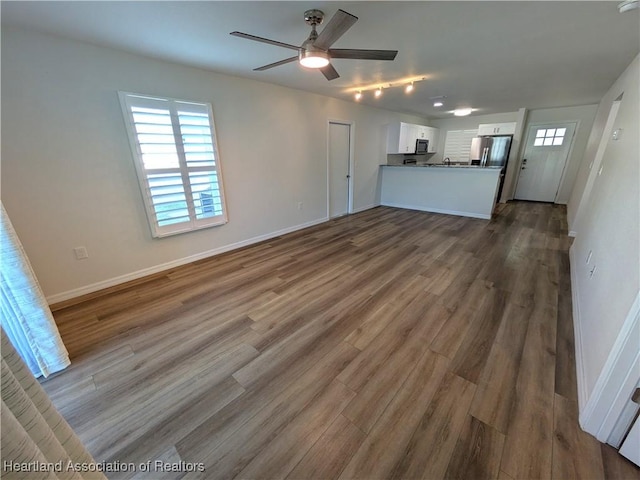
(549, 136)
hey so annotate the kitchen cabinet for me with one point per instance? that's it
(497, 128)
(401, 137)
(432, 135)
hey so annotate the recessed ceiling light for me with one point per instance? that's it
(437, 104)
(358, 95)
(378, 92)
(462, 112)
(409, 88)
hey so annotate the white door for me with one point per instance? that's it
(339, 168)
(631, 446)
(545, 156)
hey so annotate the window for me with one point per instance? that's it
(549, 137)
(174, 150)
(457, 144)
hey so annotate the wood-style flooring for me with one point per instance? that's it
(387, 344)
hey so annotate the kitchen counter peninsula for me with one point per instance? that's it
(465, 190)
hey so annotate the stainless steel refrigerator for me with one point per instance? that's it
(490, 151)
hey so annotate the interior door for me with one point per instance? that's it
(339, 168)
(631, 446)
(545, 156)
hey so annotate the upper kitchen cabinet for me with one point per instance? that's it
(432, 135)
(496, 129)
(401, 137)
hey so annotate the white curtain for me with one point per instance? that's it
(26, 318)
(36, 441)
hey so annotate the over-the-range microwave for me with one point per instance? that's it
(422, 146)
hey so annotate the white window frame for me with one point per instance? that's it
(129, 100)
(457, 145)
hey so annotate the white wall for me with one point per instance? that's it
(610, 228)
(583, 116)
(68, 178)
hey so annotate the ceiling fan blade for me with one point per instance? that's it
(276, 64)
(358, 54)
(264, 40)
(329, 72)
(337, 26)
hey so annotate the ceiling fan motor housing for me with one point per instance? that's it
(313, 17)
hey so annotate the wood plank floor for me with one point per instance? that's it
(387, 344)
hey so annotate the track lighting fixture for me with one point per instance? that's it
(407, 83)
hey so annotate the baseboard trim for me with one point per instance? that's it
(583, 393)
(111, 282)
(362, 209)
(439, 210)
(617, 380)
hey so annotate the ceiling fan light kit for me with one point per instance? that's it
(313, 59)
(315, 51)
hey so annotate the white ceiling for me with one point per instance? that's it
(492, 56)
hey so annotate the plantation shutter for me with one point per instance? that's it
(174, 148)
(457, 145)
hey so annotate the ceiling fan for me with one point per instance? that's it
(315, 51)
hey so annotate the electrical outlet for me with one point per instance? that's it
(81, 253)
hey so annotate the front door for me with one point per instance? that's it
(545, 156)
(339, 168)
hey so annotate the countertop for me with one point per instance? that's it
(446, 167)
